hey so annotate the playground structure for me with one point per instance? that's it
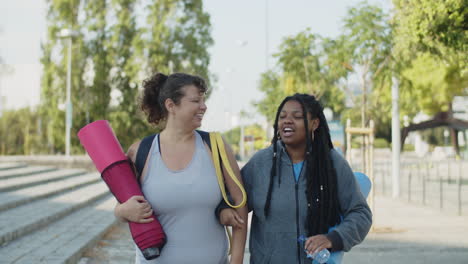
(367, 147)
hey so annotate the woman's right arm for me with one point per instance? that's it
(228, 216)
(136, 209)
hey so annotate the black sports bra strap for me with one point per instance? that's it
(145, 146)
(142, 154)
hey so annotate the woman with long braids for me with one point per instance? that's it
(299, 186)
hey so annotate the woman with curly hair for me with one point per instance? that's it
(179, 179)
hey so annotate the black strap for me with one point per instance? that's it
(142, 153)
(145, 146)
(205, 136)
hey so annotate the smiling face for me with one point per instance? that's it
(191, 108)
(291, 124)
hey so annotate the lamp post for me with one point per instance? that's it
(396, 143)
(68, 35)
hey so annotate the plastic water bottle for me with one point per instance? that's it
(319, 257)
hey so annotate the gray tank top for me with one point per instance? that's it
(184, 201)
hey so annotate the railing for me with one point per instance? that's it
(442, 183)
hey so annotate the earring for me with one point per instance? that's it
(278, 135)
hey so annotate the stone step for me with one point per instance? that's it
(115, 247)
(11, 165)
(24, 171)
(65, 240)
(19, 197)
(19, 221)
(12, 184)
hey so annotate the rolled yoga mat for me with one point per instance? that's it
(105, 151)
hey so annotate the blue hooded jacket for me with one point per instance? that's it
(274, 239)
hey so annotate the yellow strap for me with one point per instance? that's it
(217, 142)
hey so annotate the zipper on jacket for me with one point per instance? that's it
(296, 186)
(297, 225)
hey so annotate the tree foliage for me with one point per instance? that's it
(19, 130)
(300, 68)
(433, 84)
(436, 27)
(431, 46)
(255, 132)
(113, 51)
(423, 44)
(366, 45)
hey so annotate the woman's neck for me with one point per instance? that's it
(296, 153)
(176, 134)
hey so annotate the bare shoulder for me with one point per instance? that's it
(132, 150)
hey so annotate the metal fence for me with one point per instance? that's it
(442, 184)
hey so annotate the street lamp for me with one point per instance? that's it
(68, 35)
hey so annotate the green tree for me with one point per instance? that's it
(179, 35)
(111, 56)
(431, 44)
(270, 85)
(433, 83)
(258, 134)
(300, 69)
(97, 86)
(232, 137)
(126, 52)
(254, 131)
(61, 14)
(437, 27)
(19, 132)
(364, 49)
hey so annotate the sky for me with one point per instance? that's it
(246, 33)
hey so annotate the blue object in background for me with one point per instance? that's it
(337, 135)
(364, 183)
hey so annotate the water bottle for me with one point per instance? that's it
(319, 257)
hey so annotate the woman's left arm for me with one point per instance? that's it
(239, 233)
(357, 216)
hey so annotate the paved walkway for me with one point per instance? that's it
(402, 233)
(409, 233)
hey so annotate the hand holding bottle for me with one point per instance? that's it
(321, 256)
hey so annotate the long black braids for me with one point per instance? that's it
(275, 157)
(321, 191)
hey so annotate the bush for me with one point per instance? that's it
(356, 142)
(408, 147)
(381, 143)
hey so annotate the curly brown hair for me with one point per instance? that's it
(159, 87)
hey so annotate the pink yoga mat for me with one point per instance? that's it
(101, 144)
(106, 152)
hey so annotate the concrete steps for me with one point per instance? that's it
(51, 215)
(18, 197)
(24, 171)
(34, 179)
(11, 165)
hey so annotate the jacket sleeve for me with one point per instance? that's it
(247, 177)
(357, 216)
